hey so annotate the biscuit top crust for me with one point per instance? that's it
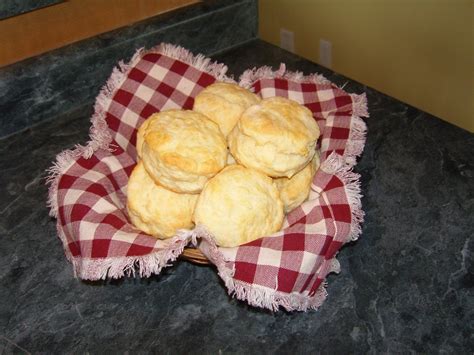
(282, 122)
(187, 141)
(224, 103)
(239, 205)
(277, 137)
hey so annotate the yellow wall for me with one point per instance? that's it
(418, 51)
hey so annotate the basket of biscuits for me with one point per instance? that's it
(254, 177)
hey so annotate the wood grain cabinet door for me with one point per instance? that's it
(51, 27)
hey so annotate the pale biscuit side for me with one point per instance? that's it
(155, 210)
(295, 190)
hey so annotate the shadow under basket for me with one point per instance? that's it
(195, 256)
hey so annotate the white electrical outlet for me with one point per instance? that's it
(287, 40)
(325, 53)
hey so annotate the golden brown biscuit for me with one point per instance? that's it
(182, 149)
(140, 137)
(239, 205)
(155, 210)
(224, 103)
(277, 137)
(295, 190)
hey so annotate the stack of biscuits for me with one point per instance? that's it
(235, 164)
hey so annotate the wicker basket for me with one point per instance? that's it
(195, 256)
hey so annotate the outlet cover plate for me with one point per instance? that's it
(325, 53)
(287, 40)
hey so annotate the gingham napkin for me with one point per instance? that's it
(288, 269)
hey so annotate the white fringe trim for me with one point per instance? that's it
(335, 164)
(249, 76)
(99, 134)
(356, 142)
(255, 295)
(199, 61)
(359, 105)
(116, 267)
(358, 129)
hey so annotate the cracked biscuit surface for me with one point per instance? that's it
(277, 137)
(181, 150)
(239, 205)
(224, 103)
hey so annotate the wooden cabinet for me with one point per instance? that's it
(52, 27)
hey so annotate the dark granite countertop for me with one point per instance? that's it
(405, 286)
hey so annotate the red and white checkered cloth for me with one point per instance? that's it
(288, 269)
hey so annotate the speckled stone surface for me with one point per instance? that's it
(46, 86)
(406, 285)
